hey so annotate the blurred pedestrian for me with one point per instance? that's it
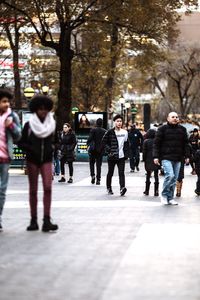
(116, 146)
(197, 170)
(67, 143)
(194, 142)
(136, 141)
(170, 147)
(95, 151)
(149, 164)
(36, 141)
(10, 132)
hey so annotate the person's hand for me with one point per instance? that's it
(156, 161)
(8, 121)
(187, 160)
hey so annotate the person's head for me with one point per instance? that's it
(5, 97)
(173, 118)
(150, 134)
(99, 122)
(118, 120)
(67, 127)
(41, 105)
(195, 131)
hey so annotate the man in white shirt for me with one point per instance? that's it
(116, 145)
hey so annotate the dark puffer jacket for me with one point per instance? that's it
(96, 135)
(110, 145)
(67, 145)
(171, 143)
(197, 162)
(148, 151)
(38, 150)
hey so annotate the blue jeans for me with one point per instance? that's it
(3, 184)
(171, 172)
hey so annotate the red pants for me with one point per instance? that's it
(33, 173)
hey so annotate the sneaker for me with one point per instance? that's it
(62, 179)
(196, 192)
(173, 202)
(70, 180)
(110, 192)
(164, 200)
(132, 171)
(93, 180)
(123, 191)
(98, 182)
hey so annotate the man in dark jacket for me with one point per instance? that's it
(170, 147)
(136, 141)
(95, 151)
(116, 145)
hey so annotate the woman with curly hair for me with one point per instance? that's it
(36, 141)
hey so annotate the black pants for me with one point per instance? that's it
(62, 166)
(111, 167)
(98, 160)
(134, 157)
(148, 176)
(198, 183)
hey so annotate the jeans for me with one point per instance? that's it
(98, 160)
(171, 172)
(3, 184)
(111, 167)
(56, 163)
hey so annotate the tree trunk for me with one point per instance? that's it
(110, 80)
(63, 111)
(17, 89)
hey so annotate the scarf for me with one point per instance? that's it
(42, 130)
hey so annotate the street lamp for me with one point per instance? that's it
(122, 101)
(45, 90)
(29, 92)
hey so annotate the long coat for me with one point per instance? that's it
(148, 151)
(67, 145)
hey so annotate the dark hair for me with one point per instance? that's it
(195, 130)
(86, 120)
(150, 134)
(5, 93)
(40, 101)
(69, 126)
(117, 117)
(99, 122)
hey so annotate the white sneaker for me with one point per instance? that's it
(164, 200)
(173, 202)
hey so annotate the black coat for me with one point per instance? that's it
(171, 143)
(110, 145)
(197, 162)
(38, 150)
(95, 136)
(148, 155)
(67, 145)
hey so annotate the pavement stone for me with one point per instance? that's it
(106, 248)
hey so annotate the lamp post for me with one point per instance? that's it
(29, 92)
(122, 101)
(45, 90)
(127, 106)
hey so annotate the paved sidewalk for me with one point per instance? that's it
(107, 247)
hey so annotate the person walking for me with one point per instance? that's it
(67, 143)
(10, 132)
(170, 147)
(95, 151)
(36, 141)
(116, 145)
(194, 142)
(149, 164)
(136, 141)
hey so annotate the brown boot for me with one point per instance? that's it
(178, 188)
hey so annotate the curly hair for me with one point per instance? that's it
(40, 101)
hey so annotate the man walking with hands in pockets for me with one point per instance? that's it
(170, 147)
